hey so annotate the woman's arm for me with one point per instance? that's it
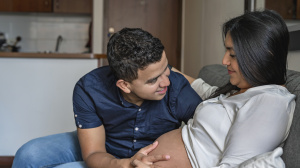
(203, 89)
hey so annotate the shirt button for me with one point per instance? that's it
(140, 109)
(136, 128)
(134, 140)
(79, 126)
(75, 115)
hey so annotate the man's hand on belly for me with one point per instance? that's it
(142, 160)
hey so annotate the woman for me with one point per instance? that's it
(250, 115)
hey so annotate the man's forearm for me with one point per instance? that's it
(105, 160)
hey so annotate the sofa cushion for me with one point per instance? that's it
(291, 149)
(217, 75)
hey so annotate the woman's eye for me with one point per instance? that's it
(231, 55)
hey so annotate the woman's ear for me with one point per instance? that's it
(123, 85)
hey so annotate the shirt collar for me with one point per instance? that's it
(123, 101)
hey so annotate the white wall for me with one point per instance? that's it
(98, 26)
(294, 60)
(39, 31)
(191, 36)
(202, 42)
(36, 98)
(217, 12)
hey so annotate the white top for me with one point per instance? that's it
(225, 131)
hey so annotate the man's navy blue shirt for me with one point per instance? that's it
(128, 127)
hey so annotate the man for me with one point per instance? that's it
(125, 106)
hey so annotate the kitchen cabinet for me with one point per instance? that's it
(48, 6)
(288, 9)
(5, 5)
(32, 5)
(26, 5)
(72, 6)
(298, 9)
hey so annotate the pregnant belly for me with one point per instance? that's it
(171, 144)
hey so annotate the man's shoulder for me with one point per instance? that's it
(98, 76)
(181, 86)
(99, 72)
(177, 80)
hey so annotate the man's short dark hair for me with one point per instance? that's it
(132, 49)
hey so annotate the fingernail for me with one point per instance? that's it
(168, 156)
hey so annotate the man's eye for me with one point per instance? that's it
(153, 81)
(231, 55)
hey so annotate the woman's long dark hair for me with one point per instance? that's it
(260, 41)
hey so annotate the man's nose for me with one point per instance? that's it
(165, 82)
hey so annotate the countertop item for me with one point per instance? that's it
(2, 39)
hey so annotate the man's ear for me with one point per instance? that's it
(123, 85)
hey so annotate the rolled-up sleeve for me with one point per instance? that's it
(84, 109)
(204, 90)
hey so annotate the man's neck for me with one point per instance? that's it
(132, 98)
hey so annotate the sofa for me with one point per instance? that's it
(217, 75)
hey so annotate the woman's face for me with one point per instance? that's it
(236, 77)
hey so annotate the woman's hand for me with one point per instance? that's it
(142, 160)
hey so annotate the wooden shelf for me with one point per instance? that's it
(52, 55)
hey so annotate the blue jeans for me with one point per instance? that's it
(59, 150)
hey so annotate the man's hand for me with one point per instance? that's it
(142, 160)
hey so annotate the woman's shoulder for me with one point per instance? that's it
(260, 95)
(275, 90)
(269, 94)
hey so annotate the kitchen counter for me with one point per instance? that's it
(52, 55)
